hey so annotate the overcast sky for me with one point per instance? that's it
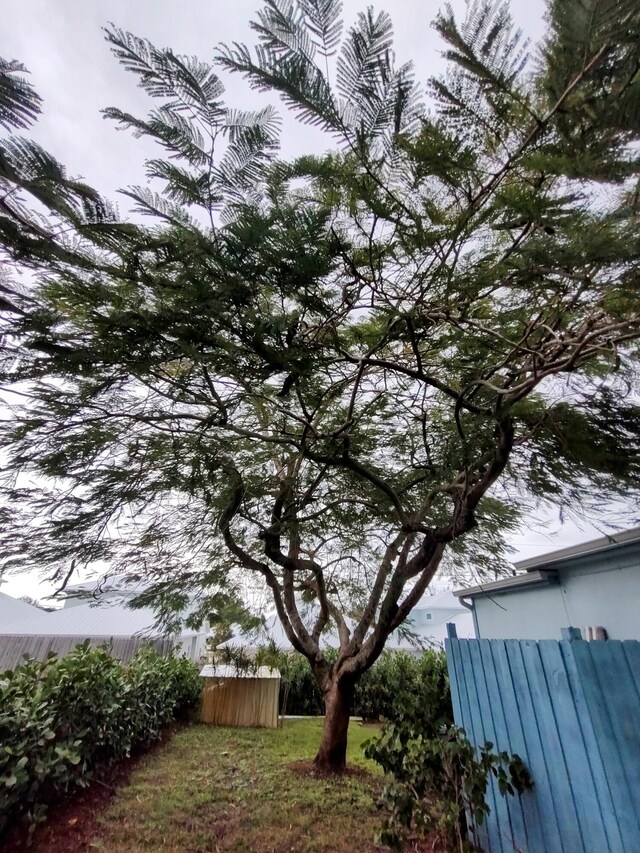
(62, 45)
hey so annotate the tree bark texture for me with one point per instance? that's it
(338, 698)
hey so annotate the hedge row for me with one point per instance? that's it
(397, 685)
(62, 718)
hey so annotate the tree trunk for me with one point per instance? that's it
(332, 754)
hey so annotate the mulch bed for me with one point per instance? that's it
(72, 824)
(308, 768)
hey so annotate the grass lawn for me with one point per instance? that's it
(221, 789)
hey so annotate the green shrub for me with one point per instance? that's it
(60, 719)
(437, 782)
(299, 692)
(397, 685)
(299, 688)
(402, 686)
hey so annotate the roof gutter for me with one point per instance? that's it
(584, 549)
(531, 578)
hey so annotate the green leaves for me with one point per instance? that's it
(486, 47)
(253, 137)
(223, 151)
(184, 82)
(324, 20)
(364, 65)
(404, 687)
(484, 89)
(60, 720)
(19, 102)
(440, 781)
(377, 97)
(292, 73)
(38, 200)
(581, 28)
(592, 55)
(600, 438)
(27, 166)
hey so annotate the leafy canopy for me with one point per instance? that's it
(322, 373)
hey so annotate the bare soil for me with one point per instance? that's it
(72, 824)
(308, 768)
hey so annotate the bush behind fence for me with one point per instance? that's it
(397, 685)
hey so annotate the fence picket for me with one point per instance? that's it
(572, 745)
(572, 711)
(528, 832)
(505, 734)
(499, 830)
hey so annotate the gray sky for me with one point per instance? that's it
(62, 45)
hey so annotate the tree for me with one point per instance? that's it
(330, 373)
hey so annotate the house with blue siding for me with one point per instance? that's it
(594, 586)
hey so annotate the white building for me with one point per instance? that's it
(431, 615)
(14, 610)
(101, 617)
(591, 586)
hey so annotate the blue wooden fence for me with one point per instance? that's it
(571, 710)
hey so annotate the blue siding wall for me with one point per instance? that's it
(571, 710)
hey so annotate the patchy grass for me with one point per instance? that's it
(222, 789)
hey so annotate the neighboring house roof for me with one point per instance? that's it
(441, 601)
(101, 589)
(441, 604)
(584, 549)
(104, 583)
(91, 620)
(104, 614)
(530, 578)
(14, 610)
(395, 643)
(543, 570)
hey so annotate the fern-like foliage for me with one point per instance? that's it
(377, 98)
(42, 209)
(486, 45)
(373, 102)
(221, 151)
(324, 21)
(484, 89)
(149, 203)
(184, 82)
(294, 75)
(26, 165)
(43, 212)
(593, 47)
(177, 135)
(19, 102)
